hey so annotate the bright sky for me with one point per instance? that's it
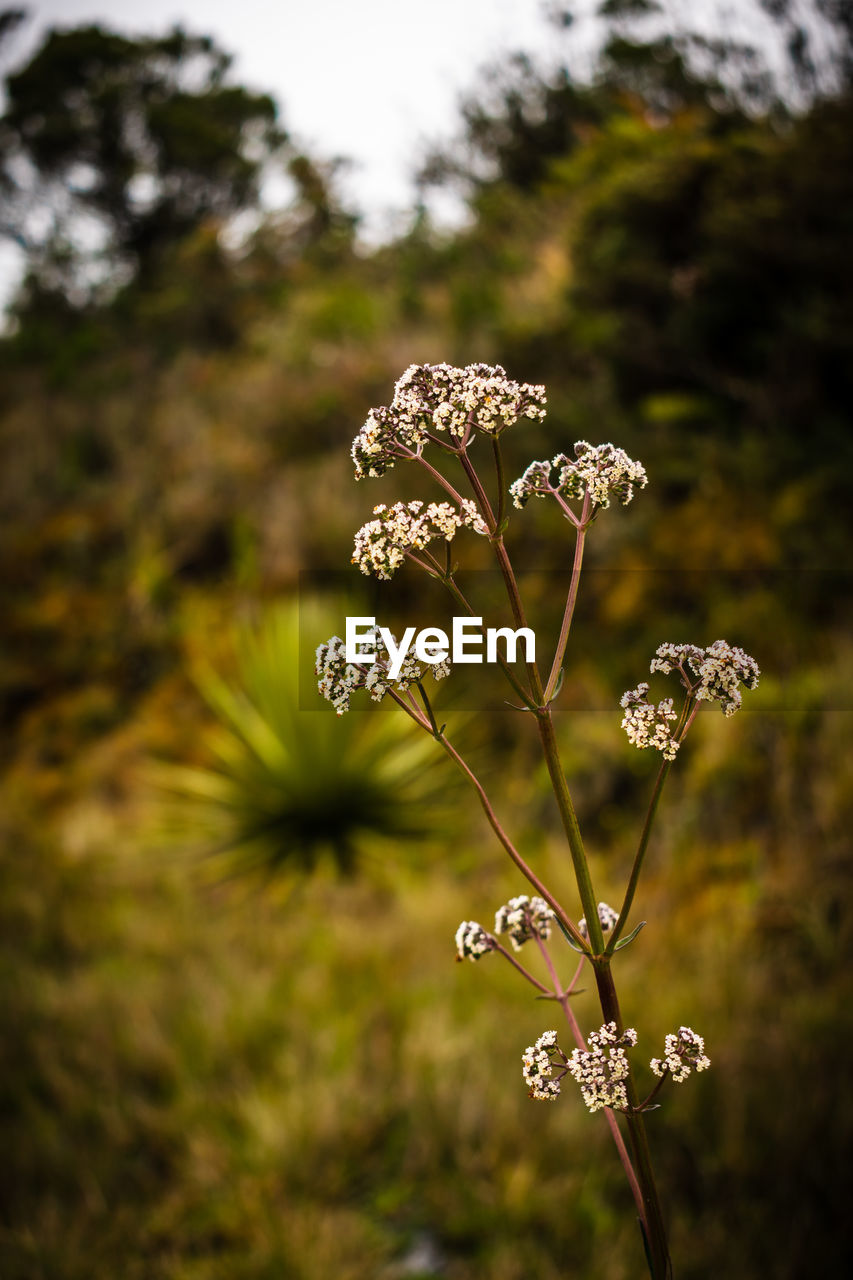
(368, 79)
(371, 80)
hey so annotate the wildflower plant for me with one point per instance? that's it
(440, 410)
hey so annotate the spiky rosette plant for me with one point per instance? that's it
(285, 790)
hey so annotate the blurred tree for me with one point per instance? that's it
(113, 150)
(520, 119)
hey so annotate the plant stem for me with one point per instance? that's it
(502, 836)
(641, 1175)
(545, 725)
(460, 598)
(507, 955)
(501, 480)
(433, 724)
(652, 1217)
(639, 856)
(655, 1232)
(685, 720)
(437, 476)
(479, 492)
(498, 547)
(560, 787)
(612, 1123)
(429, 723)
(644, 1105)
(580, 538)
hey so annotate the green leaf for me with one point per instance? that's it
(623, 942)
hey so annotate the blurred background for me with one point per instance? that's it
(236, 1043)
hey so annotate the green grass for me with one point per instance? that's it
(211, 1079)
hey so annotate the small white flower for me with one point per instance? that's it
(524, 918)
(538, 1063)
(381, 545)
(648, 725)
(607, 917)
(437, 400)
(601, 1070)
(717, 671)
(339, 679)
(684, 1051)
(601, 471)
(472, 941)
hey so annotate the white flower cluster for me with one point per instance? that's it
(381, 544)
(648, 725)
(672, 657)
(339, 679)
(538, 1062)
(719, 670)
(684, 1052)
(472, 941)
(439, 398)
(606, 915)
(384, 438)
(602, 1070)
(603, 471)
(524, 918)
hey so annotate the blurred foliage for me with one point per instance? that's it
(115, 151)
(287, 789)
(202, 1082)
(144, 134)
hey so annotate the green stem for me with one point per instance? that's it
(546, 728)
(429, 723)
(505, 567)
(651, 1217)
(685, 719)
(639, 856)
(431, 566)
(660, 1264)
(560, 787)
(552, 756)
(546, 733)
(650, 1213)
(433, 724)
(645, 1104)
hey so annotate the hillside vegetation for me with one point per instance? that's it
(258, 1059)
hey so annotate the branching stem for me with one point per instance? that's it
(564, 999)
(559, 655)
(637, 867)
(637, 1165)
